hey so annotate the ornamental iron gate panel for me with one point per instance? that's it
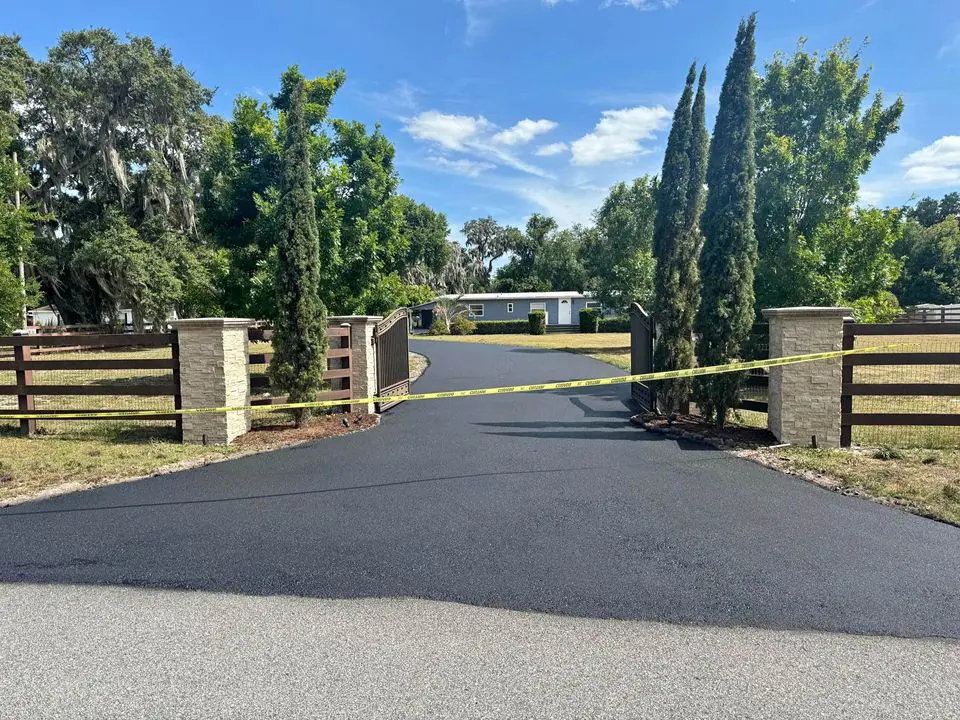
(393, 363)
(641, 356)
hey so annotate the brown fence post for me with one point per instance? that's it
(21, 354)
(177, 399)
(846, 400)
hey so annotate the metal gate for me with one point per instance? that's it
(641, 356)
(393, 363)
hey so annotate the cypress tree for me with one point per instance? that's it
(671, 310)
(730, 250)
(299, 337)
(696, 188)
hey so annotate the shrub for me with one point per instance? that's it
(880, 308)
(538, 322)
(614, 325)
(462, 325)
(502, 327)
(589, 320)
(887, 452)
(438, 328)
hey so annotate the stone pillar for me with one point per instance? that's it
(804, 399)
(214, 372)
(363, 361)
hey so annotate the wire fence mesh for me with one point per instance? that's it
(924, 436)
(101, 388)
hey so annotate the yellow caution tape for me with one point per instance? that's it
(616, 380)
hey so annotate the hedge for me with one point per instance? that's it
(502, 327)
(589, 320)
(538, 322)
(614, 324)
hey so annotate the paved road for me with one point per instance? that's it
(546, 502)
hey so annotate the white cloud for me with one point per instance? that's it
(936, 164)
(448, 131)
(473, 135)
(523, 132)
(556, 148)
(643, 4)
(618, 134)
(461, 166)
(567, 205)
(870, 198)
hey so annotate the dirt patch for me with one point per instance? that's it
(693, 427)
(418, 365)
(285, 434)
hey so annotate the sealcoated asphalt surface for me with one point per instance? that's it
(546, 512)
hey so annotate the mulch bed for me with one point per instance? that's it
(693, 427)
(264, 437)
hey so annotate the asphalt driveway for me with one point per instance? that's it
(548, 502)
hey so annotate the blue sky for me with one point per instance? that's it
(508, 107)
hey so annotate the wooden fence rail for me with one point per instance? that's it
(851, 388)
(339, 367)
(25, 363)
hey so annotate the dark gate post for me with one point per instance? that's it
(21, 354)
(177, 399)
(846, 400)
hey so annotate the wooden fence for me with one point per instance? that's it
(913, 389)
(339, 368)
(20, 355)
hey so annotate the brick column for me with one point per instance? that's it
(804, 399)
(214, 356)
(363, 378)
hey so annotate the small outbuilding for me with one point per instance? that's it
(561, 308)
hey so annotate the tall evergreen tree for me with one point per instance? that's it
(672, 312)
(696, 188)
(300, 323)
(730, 249)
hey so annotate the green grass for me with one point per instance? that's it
(108, 451)
(611, 348)
(924, 481)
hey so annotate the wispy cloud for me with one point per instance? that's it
(950, 47)
(523, 132)
(643, 4)
(468, 134)
(398, 101)
(557, 148)
(479, 13)
(936, 164)
(619, 134)
(461, 166)
(449, 131)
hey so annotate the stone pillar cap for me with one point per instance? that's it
(211, 322)
(807, 312)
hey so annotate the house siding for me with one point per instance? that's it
(497, 309)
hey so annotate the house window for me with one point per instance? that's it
(509, 307)
(542, 307)
(475, 310)
(593, 305)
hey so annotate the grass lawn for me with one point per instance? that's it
(612, 348)
(111, 451)
(67, 456)
(925, 481)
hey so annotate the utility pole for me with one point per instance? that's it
(23, 274)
